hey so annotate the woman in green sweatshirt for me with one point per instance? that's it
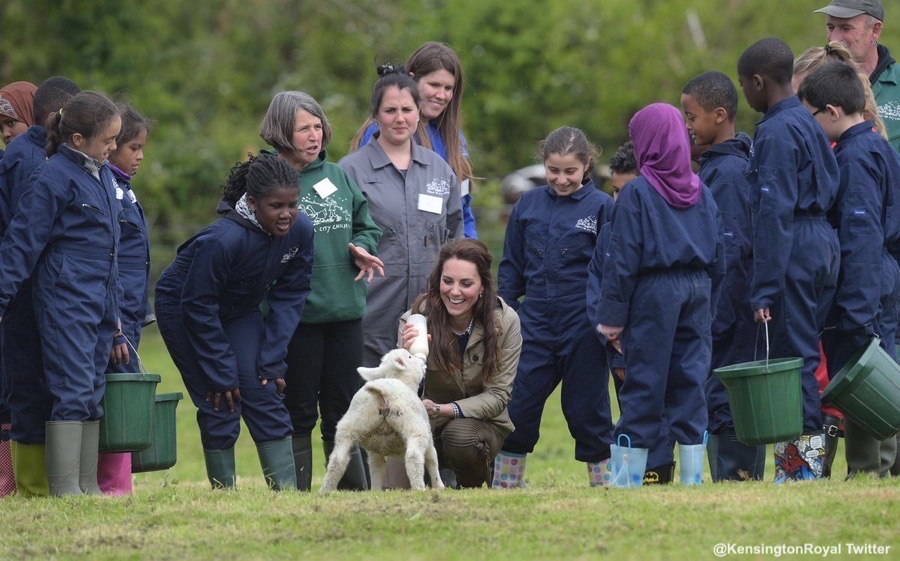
(328, 345)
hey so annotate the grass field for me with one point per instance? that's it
(174, 514)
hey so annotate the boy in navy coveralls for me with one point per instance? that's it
(795, 250)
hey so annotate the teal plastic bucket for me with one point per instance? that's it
(128, 404)
(163, 451)
(867, 389)
(765, 399)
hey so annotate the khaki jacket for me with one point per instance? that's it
(466, 387)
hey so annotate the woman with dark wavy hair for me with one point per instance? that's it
(474, 352)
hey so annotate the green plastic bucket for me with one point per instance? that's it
(128, 404)
(765, 399)
(867, 389)
(163, 452)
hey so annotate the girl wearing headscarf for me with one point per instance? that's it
(16, 109)
(661, 272)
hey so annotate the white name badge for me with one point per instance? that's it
(464, 188)
(430, 203)
(120, 194)
(325, 188)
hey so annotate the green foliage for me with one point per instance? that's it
(207, 70)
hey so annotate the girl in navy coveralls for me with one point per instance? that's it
(208, 308)
(66, 234)
(549, 242)
(114, 469)
(665, 260)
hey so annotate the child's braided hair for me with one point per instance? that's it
(259, 176)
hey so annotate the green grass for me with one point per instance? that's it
(174, 514)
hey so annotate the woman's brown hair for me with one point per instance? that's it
(444, 347)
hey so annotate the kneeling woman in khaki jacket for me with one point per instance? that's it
(474, 351)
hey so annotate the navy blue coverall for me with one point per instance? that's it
(660, 273)
(134, 268)
(723, 169)
(662, 450)
(208, 310)
(549, 243)
(795, 250)
(65, 236)
(867, 217)
(24, 386)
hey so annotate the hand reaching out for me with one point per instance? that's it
(366, 263)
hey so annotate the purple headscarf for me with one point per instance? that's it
(662, 150)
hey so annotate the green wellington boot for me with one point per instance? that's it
(277, 460)
(30, 467)
(90, 443)
(64, 457)
(220, 468)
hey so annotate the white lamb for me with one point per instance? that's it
(387, 418)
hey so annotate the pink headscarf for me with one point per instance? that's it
(17, 102)
(662, 150)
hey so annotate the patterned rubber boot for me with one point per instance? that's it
(598, 473)
(7, 476)
(800, 460)
(691, 458)
(509, 471)
(660, 475)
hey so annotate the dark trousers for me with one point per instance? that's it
(559, 346)
(28, 398)
(798, 316)
(667, 344)
(321, 376)
(75, 305)
(261, 407)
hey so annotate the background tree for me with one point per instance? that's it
(206, 71)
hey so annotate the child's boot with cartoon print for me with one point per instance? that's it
(598, 473)
(64, 457)
(509, 471)
(277, 460)
(691, 458)
(660, 475)
(801, 459)
(220, 468)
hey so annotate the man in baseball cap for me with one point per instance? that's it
(858, 25)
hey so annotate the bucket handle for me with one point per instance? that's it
(756, 345)
(133, 352)
(619, 440)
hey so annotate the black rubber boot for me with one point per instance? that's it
(660, 475)
(355, 477)
(302, 446)
(732, 460)
(832, 427)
